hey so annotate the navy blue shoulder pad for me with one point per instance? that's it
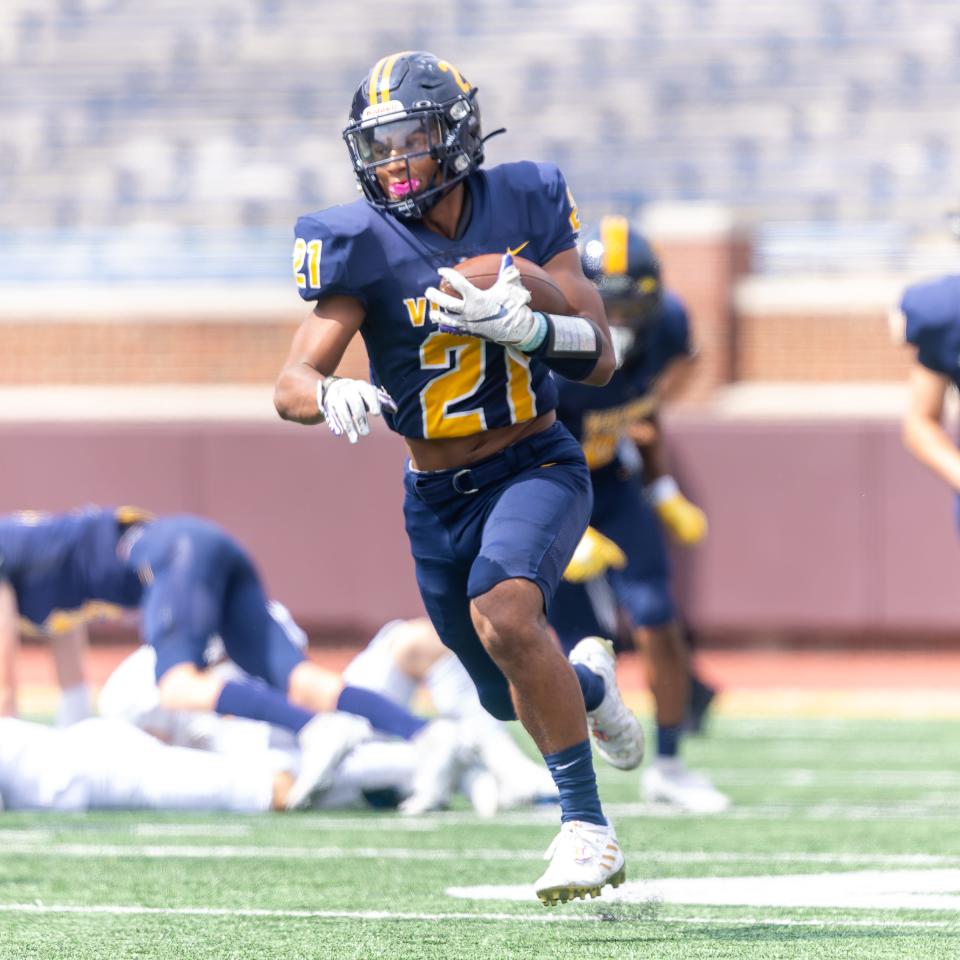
(932, 314)
(338, 252)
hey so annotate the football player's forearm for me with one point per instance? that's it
(931, 445)
(653, 454)
(295, 395)
(588, 304)
(9, 647)
(606, 364)
(8, 679)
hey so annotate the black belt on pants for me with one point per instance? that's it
(503, 464)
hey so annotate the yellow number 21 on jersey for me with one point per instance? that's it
(309, 253)
(464, 361)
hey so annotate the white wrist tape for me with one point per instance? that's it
(537, 335)
(662, 489)
(571, 337)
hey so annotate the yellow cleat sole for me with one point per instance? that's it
(554, 895)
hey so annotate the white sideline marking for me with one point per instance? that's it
(862, 890)
(931, 808)
(192, 830)
(224, 852)
(799, 776)
(25, 835)
(556, 916)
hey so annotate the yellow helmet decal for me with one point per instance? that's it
(613, 236)
(374, 77)
(381, 75)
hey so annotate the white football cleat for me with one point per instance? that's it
(584, 857)
(667, 780)
(441, 759)
(324, 742)
(615, 731)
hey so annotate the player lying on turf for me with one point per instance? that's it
(190, 580)
(621, 437)
(497, 492)
(101, 764)
(494, 773)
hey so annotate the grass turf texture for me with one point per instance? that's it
(812, 797)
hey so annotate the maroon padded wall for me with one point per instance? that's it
(826, 526)
(813, 526)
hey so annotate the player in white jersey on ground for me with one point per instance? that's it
(405, 655)
(100, 764)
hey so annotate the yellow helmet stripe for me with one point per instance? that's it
(385, 75)
(613, 236)
(374, 76)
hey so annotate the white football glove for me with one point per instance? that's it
(345, 404)
(500, 314)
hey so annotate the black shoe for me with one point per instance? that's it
(701, 696)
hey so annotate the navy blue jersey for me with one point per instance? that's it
(64, 568)
(932, 312)
(444, 384)
(598, 416)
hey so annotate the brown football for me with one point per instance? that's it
(482, 272)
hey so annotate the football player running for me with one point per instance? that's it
(190, 580)
(617, 426)
(930, 312)
(497, 491)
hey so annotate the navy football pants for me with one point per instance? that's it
(642, 588)
(200, 582)
(518, 514)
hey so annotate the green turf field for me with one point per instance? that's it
(844, 842)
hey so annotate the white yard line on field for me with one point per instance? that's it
(192, 830)
(234, 852)
(833, 809)
(890, 890)
(851, 776)
(555, 916)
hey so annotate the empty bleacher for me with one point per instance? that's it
(204, 118)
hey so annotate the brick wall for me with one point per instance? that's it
(825, 346)
(125, 336)
(819, 329)
(752, 329)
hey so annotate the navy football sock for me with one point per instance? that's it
(384, 715)
(572, 772)
(668, 740)
(254, 700)
(591, 684)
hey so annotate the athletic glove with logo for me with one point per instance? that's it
(501, 313)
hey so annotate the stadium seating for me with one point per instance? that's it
(227, 115)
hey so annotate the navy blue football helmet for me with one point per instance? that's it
(412, 105)
(626, 272)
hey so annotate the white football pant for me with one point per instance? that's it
(101, 764)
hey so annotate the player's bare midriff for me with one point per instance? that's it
(463, 451)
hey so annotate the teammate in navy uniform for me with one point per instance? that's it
(192, 581)
(614, 424)
(931, 312)
(497, 492)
